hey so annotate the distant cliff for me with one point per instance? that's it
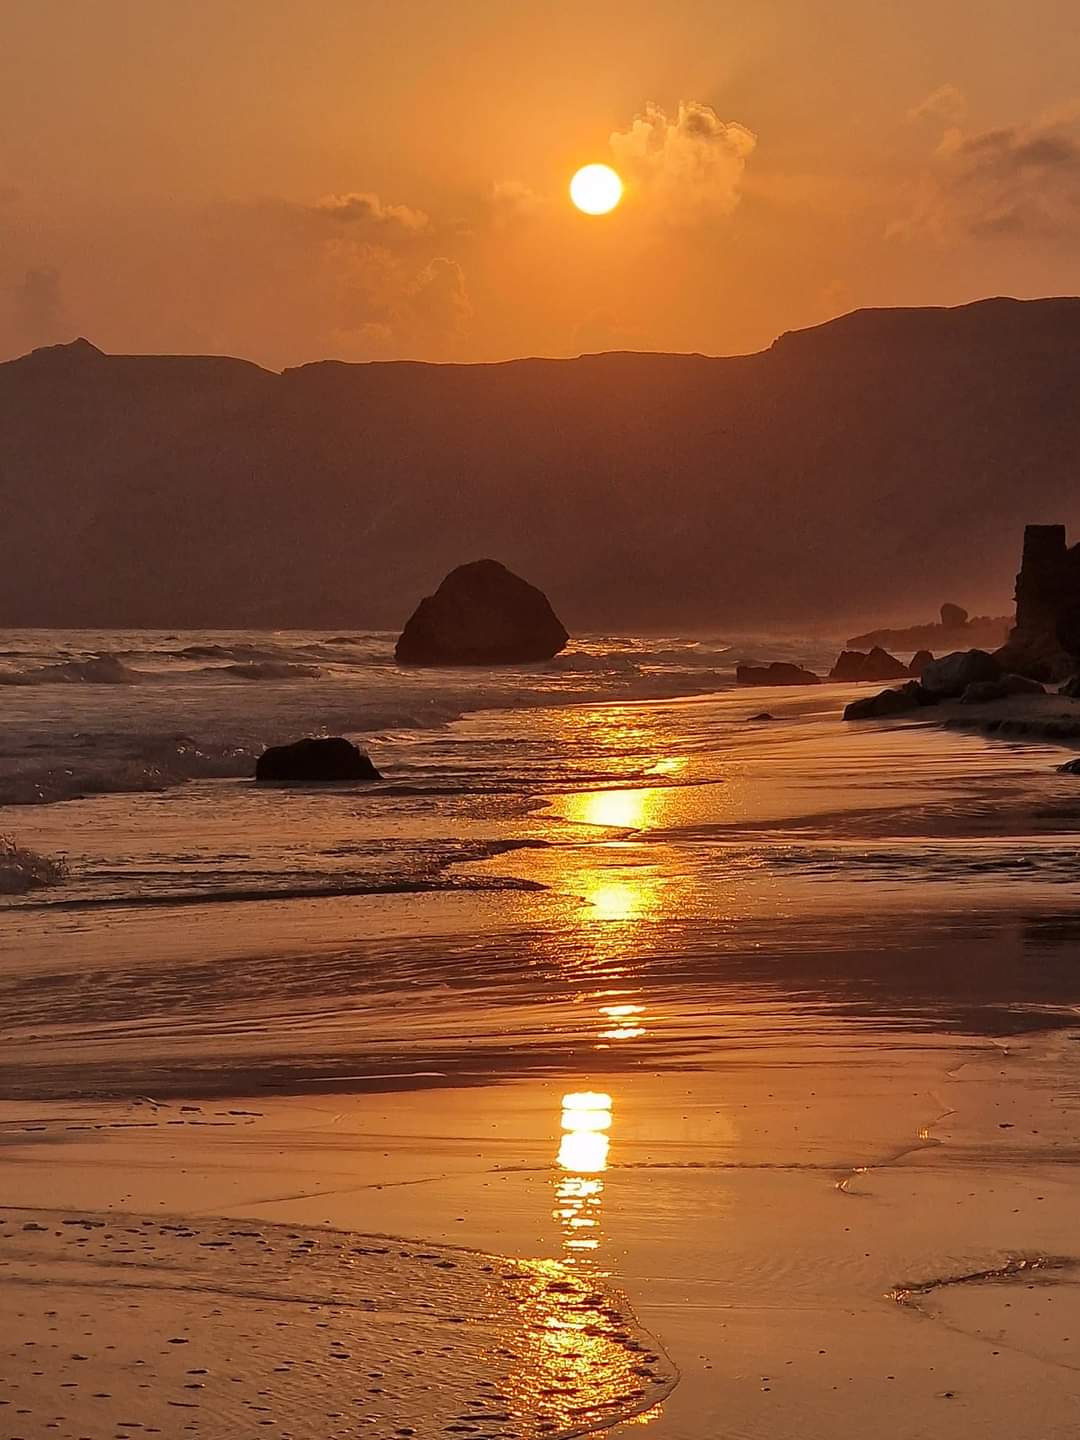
(858, 470)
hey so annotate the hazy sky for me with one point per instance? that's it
(367, 179)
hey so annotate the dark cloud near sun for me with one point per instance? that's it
(1009, 180)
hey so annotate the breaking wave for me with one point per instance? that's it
(156, 764)
(98, 670)
(269, 670)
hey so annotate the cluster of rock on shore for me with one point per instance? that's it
(483, 614)
(1042, 648)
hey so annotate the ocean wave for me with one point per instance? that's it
(243, 653)
(330, 890)
(22, 869)
(98, 670)
(156, 764)
(583, 662)
(268, 670)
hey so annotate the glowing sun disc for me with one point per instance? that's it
(596, 189)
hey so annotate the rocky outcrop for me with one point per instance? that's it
(956, 630)
(877, 664)
(482, 614)
(919, 662)
(890, 702)
(1045, 640)
(314, 762)
(950, 676)
(778, 673)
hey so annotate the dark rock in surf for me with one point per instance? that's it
(482, 614)
(952, 674)
(919, 662)
(890, 702)
(1071, 767)
(778, 673)
(764, 715)
(878, 664)
(314, 762)
(1071, 688)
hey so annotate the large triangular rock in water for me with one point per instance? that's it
(482, 614)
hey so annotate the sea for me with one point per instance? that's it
(618, 853)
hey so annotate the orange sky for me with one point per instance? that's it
(369, 179)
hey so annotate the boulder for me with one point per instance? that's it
(1022, 685)
(983, 691)
(1071, 688)
(482, 614)
(919, 662)
(953, 617)
(890, 702)
(952, 674)
(1071, 767)
(1038, 656)
(878, 664)
(778, 673)
(314, 762)
(763, 715)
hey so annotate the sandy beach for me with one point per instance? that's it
(731, 1090)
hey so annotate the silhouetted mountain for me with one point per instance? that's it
(860, 470)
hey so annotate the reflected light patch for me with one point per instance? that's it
(585, 1151)
(670, 766)
(618, 899)
(625, 1022)
(619, 809)
(586, 1117)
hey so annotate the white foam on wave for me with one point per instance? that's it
(156, 764)
(97, 670)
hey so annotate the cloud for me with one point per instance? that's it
(437, 301)
(513, 200)
(364, 209)
(691, 167)
(385, 302)
(947, 104)
(1011, 180)
(39, 313)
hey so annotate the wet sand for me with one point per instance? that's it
(824, 1242)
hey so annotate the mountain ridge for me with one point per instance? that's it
(857, 469)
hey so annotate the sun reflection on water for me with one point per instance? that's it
(625, 1022)
(583, 1157)
(582, 1361)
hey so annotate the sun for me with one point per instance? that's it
(596, 189)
